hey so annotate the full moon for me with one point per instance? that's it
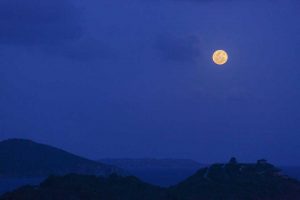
(220, 57)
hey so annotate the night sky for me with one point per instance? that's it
(134, 78)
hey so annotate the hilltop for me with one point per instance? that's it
(84, 187)
(21, 158)
(238, 181)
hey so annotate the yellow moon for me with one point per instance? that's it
(220, 57)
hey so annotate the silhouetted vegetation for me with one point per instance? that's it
(238, 181)
(231, 181)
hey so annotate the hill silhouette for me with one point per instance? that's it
(230, 181)
(84, 187)
(235, 181)
(24, 158)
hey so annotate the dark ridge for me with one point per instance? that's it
(230, 181)
(233, 180)
(73, 187)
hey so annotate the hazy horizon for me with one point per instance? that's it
(156, 158)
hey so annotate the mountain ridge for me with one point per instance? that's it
(238, 181)
(226, 181)
(20, 158)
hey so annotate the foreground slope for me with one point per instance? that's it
(84, 187)
(24, 158)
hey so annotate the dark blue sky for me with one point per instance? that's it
(134, 78)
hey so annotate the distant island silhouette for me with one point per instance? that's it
(71, 177)
(20, 158)
(228, 181)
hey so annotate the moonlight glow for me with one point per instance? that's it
(220, 57)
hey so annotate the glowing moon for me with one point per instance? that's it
(220, 57)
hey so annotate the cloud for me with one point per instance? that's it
(180, 49)
(38, 22)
